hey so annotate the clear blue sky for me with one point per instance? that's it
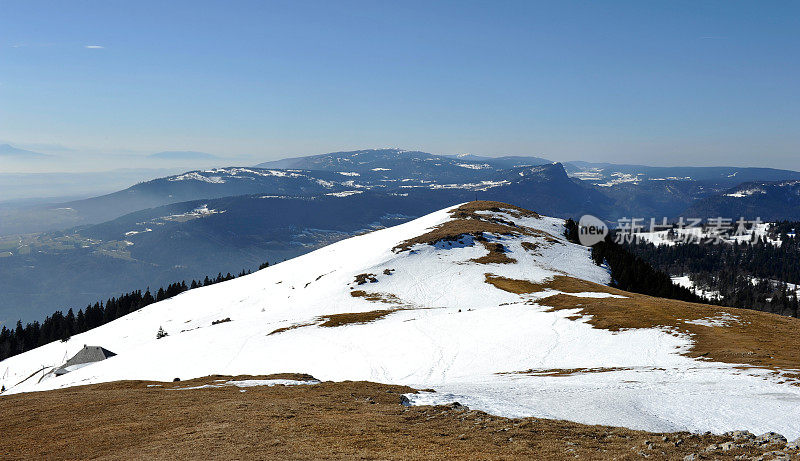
(678, 82)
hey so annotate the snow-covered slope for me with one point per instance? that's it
(411, 304)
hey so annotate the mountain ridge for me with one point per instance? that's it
(183, 155)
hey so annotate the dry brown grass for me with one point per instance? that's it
(354, 318)
(533, 247)
(559, 282)
(455, 230)
(347, 420)
(563, 371)
(292, 327)
(338, 320)
(388, 298)
(497, 254)
(497, 207)
(757, 339)
(466, 221)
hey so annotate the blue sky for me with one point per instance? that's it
(663, 83)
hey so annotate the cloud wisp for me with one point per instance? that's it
(94, 47)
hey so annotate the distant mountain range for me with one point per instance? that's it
(227, 219)
(9, 151)
(608, 191)
(776, 200)
(400, 162)
(609, 175)
(182, 155)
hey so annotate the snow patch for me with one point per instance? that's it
(746, 193)
(196, 176)
(722, 319)
(345, 193)
(474, 166)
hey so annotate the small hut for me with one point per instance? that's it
(87, 355)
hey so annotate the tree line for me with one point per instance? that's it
(60, 326)
(630, 272)
(750, 275)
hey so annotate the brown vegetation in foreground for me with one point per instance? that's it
(347, 420)
(754, 338)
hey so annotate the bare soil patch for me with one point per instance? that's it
(346, 420)
(361, 279)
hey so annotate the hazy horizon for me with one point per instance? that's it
(102, 86)
(74, 161)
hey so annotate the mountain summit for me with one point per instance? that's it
(9, 151)
(487, 304)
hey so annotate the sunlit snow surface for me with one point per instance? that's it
(466, 339)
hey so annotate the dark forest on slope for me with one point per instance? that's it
(630, 272)
(751, 275)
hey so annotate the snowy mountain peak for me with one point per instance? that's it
(485, 302)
